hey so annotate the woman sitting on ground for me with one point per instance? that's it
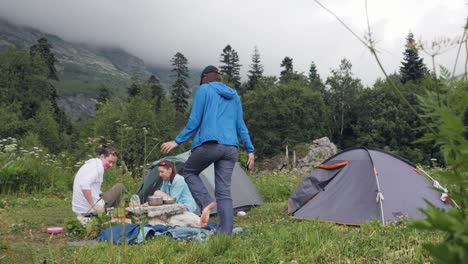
(174, 186)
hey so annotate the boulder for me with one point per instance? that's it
(320, 150)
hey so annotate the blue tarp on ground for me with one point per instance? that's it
(133, 233)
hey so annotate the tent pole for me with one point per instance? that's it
(379, 194)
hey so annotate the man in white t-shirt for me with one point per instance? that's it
(87, 195)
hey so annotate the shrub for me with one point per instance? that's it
(23, 170)
(277, 186)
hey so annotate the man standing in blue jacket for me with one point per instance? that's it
(216, 120)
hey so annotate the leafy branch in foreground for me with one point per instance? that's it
(448, 114)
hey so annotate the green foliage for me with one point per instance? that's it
(23, 80)
(231, 67)
(77, 79)
(342, 98)
(133, 127)
(12, 124)
(276, 186)
(413, 67)
(180, 89)
(386, 122)
(454, 249)
(447, 111)
(46, 127)
(288, 74)
(277, 115)
(30, 170)
(256, 70)
(75, 229)
(42, 51)
(156, 91)
(315, 81)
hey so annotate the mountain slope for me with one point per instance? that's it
(83, 69)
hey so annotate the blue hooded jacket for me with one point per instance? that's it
(216, 116)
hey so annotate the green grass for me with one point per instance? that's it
(76, 79)
(274, 238)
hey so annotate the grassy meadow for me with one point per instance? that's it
(271, 236)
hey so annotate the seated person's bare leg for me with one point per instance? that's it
(205, 215)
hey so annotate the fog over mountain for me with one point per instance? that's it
(155, 30)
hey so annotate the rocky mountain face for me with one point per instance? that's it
(83, 69)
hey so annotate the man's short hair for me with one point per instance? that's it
(108, 150)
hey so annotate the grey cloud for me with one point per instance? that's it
(156, 30)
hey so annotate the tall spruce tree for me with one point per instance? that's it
(286, 74)
(231, 67)
(157, 91)
(413, 67)
(42, 49)
(104, 95)
(313, 75)
(42, 52)
(180, 89)
(315, 81)
(256, 69)
(137, 85)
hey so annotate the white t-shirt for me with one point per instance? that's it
(88, 177)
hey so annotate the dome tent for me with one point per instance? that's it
(243, 192)
(361, 184)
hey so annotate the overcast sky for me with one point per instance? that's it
(155, 30)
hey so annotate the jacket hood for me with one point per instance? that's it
(223, 90)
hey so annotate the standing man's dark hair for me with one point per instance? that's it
(210, 74)
(216, 121)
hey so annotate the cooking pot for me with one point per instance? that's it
(155, 200)
(169, 200)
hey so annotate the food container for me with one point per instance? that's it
(155, 200)
(55, 230)
(169, 201)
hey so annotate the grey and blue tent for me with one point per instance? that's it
(362, 184)
(243, 191)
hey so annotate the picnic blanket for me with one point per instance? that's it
(134, 233)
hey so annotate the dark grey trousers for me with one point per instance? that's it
(224, 158)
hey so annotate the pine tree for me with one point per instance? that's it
(157, 91)
(256, 69)
(104, 95)
(180, 89)
(413, 67)
(315, 82)
(42, 49)
(135, 88)
(231, 69)
(313, 75)
(286, 74)
(41, 52)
